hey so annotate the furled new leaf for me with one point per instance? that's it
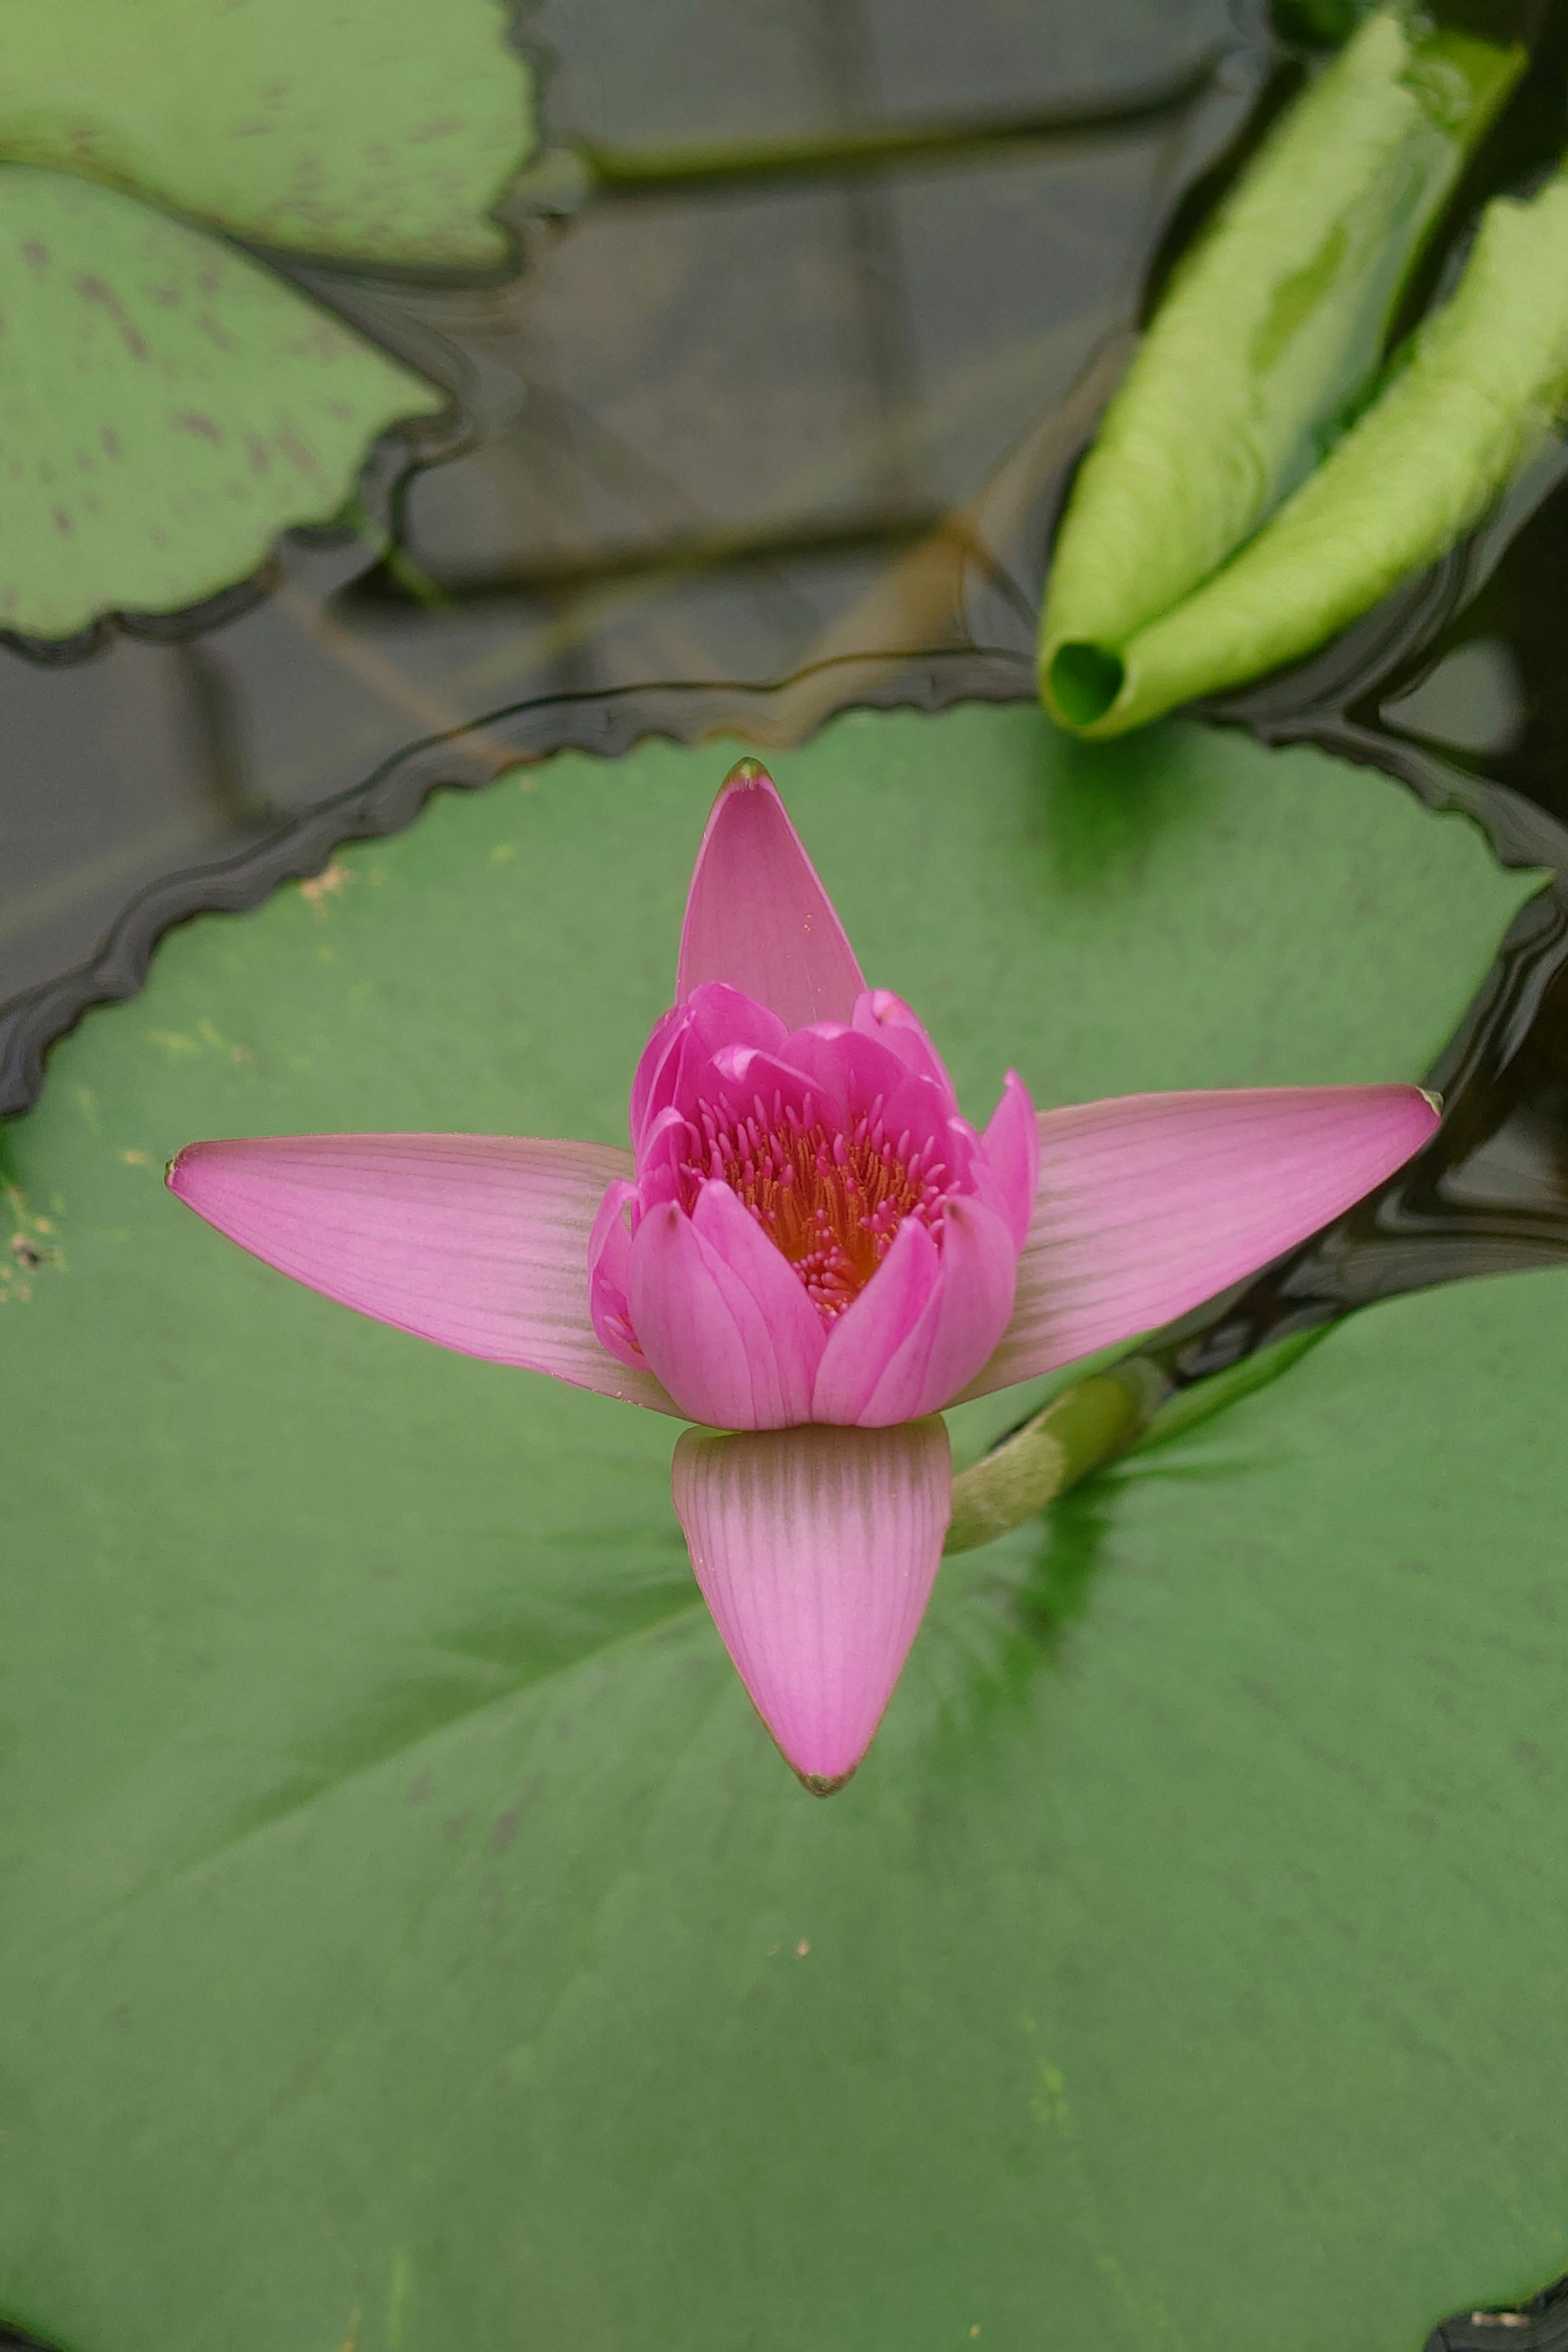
(1484, 378)
(1271, 329)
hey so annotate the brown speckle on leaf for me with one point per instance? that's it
(95, 289)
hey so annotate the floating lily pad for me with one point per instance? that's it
(380, 129)
(411, 1938)
(167, 407)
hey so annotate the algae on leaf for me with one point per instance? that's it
(381, 131)
(167, 406)
(1268, 337)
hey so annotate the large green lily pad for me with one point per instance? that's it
(412, 1940)
(167, 407)
(373, 129)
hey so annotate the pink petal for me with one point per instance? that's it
(962, 1322)
(758, 917)
(879, 1014)
(1012, 1142)
(1150, 1204)
(816, 1551)
(683, 1043)
(868, 1336)
(609, 1252)
(478, 1242)
(721, 1317)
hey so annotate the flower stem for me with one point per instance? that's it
(1135, 1404)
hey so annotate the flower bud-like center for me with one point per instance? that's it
(830, 1198)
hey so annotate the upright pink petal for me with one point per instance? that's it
(758, 917)
(1149, 1204)
(816, 1551)
(720, 1315)
(873, 1329)
(880, 1014)
(960, 1324)
(1012, 1141)
(478, 1242)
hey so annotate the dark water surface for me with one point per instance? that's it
(817, 306)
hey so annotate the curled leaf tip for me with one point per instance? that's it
(1434, 1099)
(1081, 682)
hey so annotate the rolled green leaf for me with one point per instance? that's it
(1270, 335)
(1484, 378)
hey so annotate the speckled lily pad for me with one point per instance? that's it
(167, 406)
(384, 130)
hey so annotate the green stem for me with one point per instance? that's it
(1131, 1407)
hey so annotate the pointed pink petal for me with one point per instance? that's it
(609, 1252)
(478, 1242)
(1012, 1141)
(758, 917)
(816, 1551)
(867, 1337)
(1150, 1204)
(721, 1317)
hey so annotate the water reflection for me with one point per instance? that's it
(730, 422)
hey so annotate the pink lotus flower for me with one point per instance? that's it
(810, 1249)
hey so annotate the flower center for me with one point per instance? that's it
(830, 1200)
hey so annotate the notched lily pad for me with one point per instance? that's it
(380, 129)
(394, 1862)
(167, 407)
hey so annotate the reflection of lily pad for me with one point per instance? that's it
(410, 1938)
(167, 407)
(378, 129)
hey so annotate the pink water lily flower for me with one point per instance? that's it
(809, 1251)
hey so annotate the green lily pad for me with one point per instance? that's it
(375, 130)
(411, 1937)
(167, 407)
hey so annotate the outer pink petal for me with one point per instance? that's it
(609, 1251)
(867, 1337)
(720, 1315)
(816, 1551)
(1011, 1143)
(1149, 1204)
(758, 917)
(479, 1241)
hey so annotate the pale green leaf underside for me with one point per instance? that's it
(1270, 326)
(1269, 336)
(378, 130)
(167, 406)
(402, 1903)
(1473, 402)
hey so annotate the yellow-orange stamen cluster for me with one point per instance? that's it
(831, 1201)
